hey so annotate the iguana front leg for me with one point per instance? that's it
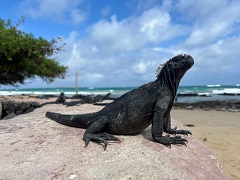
(168, 129)
(97, 132)
(161, 110)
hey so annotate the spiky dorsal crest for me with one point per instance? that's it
(159, 69)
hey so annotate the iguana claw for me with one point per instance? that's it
(167, 140)
(101, 138)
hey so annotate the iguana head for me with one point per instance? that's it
(171, 72)
(179, 64)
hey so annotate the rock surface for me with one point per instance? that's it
(231, 106)
(10, 109)
(34, 147)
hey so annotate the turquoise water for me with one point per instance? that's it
(198, 93)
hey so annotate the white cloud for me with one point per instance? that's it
(77, 16)
(63, 11)
(97, 67)
(220, 55)
(133, 33)
(142, 68)
(206, 34)
(93, 77)
(127, 52)
(211, 19)
(153, 24)
(116, 48)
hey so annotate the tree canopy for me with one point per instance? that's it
(23, 56)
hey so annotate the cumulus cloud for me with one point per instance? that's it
(133, 33)
(127, 52)
(142, 67)
(117, 48)
(63, 11)
(213, 19)
(102, 68)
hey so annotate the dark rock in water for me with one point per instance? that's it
(9, 116)
(89, 99)
(229, 94)
(190, 94)
(204, 95)
(100, 98)
(233, 106)
(46, 96)
(79, 96)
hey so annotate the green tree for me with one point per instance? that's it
(22, 56)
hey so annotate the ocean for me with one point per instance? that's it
(185, 93)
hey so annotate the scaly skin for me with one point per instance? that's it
(136, 110)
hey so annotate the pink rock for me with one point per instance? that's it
(34, 147)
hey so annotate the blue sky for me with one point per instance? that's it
(122, 42)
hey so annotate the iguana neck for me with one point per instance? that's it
(169, 80)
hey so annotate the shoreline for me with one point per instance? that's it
(217, 105)
(216, 128)
(192, 93)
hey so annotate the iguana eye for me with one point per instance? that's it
(175, 61)
(175, 65)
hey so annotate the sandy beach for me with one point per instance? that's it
(218, 130)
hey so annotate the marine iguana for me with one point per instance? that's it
(136, 110)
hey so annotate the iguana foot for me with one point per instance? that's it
(185, 132)
(167, 140)
(175, 131)
(101, 138)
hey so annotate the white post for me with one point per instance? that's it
(76, 83)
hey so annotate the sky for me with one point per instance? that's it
(122, 42)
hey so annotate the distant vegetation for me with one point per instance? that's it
(23, 56)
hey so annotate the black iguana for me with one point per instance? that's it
(137, 109)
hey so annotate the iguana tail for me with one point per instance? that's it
(78, 120)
